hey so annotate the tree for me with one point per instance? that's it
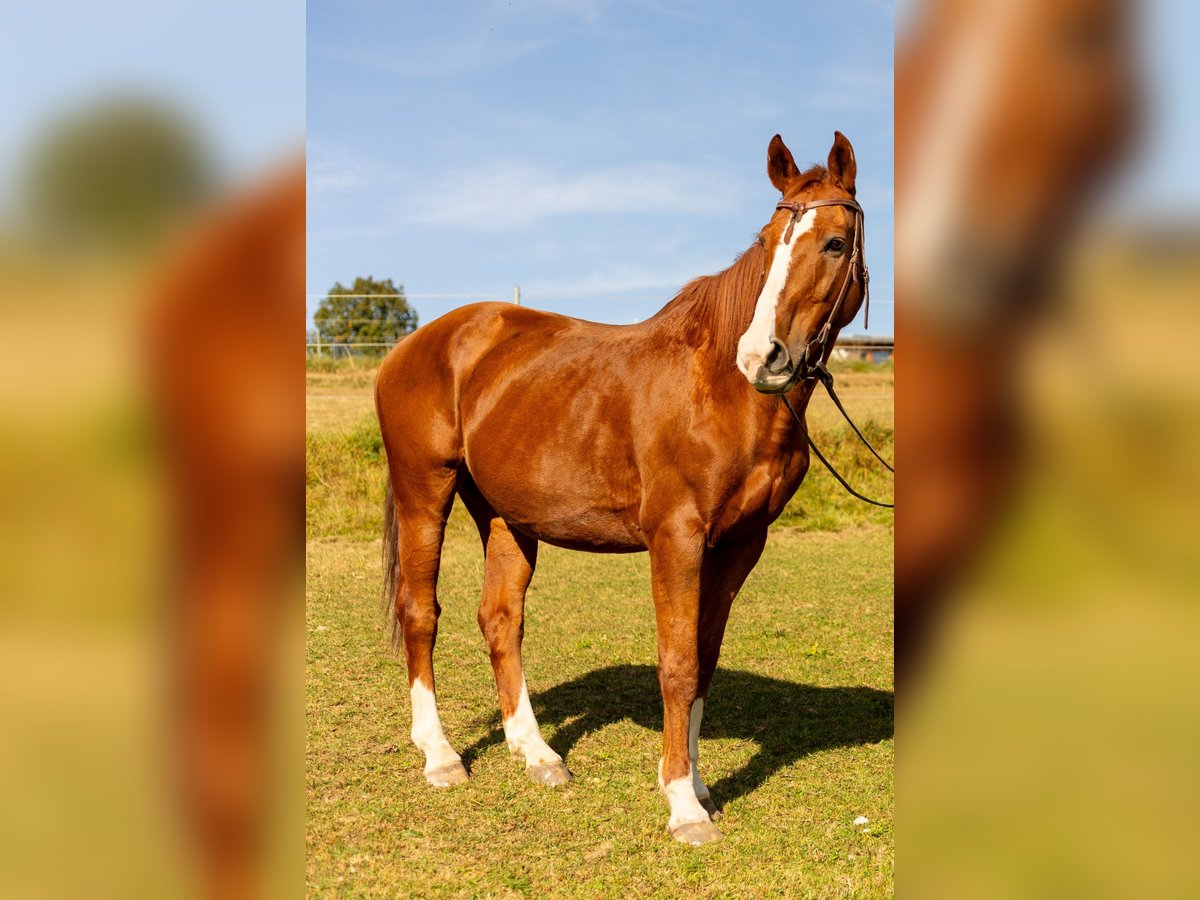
(113, 177)
(367, 312)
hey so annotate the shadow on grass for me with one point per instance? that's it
(787, 720)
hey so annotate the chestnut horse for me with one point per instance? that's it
(667, 436)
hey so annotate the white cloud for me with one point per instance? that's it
(333, 167)
(329, 177)
(618, 280)
(471, 53)
(507, 195)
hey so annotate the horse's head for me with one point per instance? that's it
(815, 273)
(1011, 111)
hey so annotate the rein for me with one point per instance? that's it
(826, 378)
(805, 369)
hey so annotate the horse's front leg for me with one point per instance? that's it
(675, 560)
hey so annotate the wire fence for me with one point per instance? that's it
(868, 348)
(874, 352)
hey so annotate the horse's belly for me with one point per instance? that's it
(594, 540)
(576, 493)
(549, 440)
(566, 508)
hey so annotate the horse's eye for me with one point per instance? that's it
(835, 245)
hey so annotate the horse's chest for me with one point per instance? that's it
(758, 497)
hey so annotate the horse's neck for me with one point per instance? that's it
(709, 315)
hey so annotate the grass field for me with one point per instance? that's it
(796, 742)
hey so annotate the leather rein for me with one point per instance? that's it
(811, 364)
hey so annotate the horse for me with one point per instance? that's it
(670, 436)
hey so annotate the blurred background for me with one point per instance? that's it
(137, 141)
(1047, 273)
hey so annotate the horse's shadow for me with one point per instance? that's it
(786, 720)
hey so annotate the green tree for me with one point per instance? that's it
(113, 177)
(369, 311)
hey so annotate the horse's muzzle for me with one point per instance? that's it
(772, 372)
(775, 371)
(780, 370)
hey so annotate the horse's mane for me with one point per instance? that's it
(718, 307)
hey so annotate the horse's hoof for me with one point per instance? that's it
(550, 774)
(447, 775)
(696, 833)
(710, 808)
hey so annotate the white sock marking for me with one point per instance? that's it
(681, 797)
(755, 344)
(694, 747)
(427, 731)
(522, 734)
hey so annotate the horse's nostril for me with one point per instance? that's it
(777, 359)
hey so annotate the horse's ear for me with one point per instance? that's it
(842, 166)
(780, 166)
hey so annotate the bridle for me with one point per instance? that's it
(811, 364)
(811, 361)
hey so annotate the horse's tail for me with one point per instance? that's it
(393, 581)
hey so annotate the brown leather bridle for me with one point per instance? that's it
(812, 357)
(811, 364)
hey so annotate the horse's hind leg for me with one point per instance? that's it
(722, 574)
(510, 558)
(422, 507)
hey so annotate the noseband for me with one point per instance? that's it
(811, 361)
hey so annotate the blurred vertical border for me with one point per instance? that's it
(1047, 270)
(151, 268)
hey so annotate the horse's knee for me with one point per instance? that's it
(500, 624)
(420, 620)
(679, 677)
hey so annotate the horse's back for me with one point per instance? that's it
(419, 387)
(531, 404)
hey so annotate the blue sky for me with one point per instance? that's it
(597, 154)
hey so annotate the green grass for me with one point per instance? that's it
(326, 362)
(838, 366)
(345, 475)
(797, 737)
(822, 504)
(796, 740)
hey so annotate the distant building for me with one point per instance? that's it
(864, 347)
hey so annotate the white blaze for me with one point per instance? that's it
(427, 731)
(522, 734)
(755, 344)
